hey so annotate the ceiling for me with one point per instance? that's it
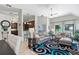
(45, 9)
(33, 9)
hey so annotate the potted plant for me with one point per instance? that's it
(57, 28)
(76, 36)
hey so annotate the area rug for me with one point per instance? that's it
(49, 47)
(47, 50)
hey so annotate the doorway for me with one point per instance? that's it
(29, 28)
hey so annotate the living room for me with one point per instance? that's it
(40, 29)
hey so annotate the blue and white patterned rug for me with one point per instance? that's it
(49, 48)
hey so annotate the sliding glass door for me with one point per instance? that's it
(69, 27)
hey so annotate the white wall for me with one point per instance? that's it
(41, 20)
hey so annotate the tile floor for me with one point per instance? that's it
(24, 50)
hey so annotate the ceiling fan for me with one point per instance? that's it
(52, 13)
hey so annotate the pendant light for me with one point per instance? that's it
(51, 12)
